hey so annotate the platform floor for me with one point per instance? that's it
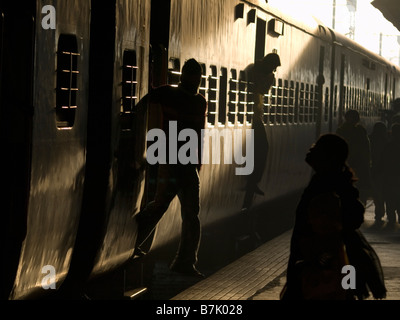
(261, 274)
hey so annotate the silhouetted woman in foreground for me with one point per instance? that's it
(326, 237)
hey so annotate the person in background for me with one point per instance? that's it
(390, 166)
(378, 140)
(359, 159)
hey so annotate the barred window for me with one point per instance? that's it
(223, 83)
(67, 80)
(212, 95)
(291, 102)
(326, 106)
(297, 103)
(242, 98)
(250, 101)
(271, 104)
(174, 72)
(203, 83)
(308, 103)
(129, 81)
(279, 102)
(233, 96)
(301, 103)
(335, 102)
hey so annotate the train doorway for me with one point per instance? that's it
(260, 39)
(159, 41)
(17, 31)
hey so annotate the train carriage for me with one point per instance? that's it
(74, 123)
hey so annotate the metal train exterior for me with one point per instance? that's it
(74, 138)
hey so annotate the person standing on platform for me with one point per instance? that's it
(390, 166)
(325, 236)
(378, 140)
(359, 159)
(185, 106)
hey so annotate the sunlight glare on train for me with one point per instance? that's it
(351, 18)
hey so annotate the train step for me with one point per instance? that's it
(135, 293)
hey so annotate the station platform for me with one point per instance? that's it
(261, 273)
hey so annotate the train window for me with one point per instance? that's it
(345, 94)
(296, 103)
(291, 103)
(394, 87)
(212, 95)
(273, 104)
(129, 81)
(242, 97)
(364, 102)
(348, 98)
(250, 101)
(174, 72)
(335, 102)
(279, 102)
(314, 98)
(285, 111)
(203, 84)
(233, 93)
(313, 104)
(223, 83)
(266, 107)
(306, 103)
(326, 111)
(301, 105)
(356, 105)
(67, 80)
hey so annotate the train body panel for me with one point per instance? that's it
(58, 147)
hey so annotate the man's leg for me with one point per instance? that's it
(188, 194)
(166, 190)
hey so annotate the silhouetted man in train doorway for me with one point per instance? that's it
(187, 107)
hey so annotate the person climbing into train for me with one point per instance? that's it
(326, 235)
(359, 151)
(186, 107)
(261, 78)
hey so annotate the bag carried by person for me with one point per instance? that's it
(369, 273)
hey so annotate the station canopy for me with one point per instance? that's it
(390, 10)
